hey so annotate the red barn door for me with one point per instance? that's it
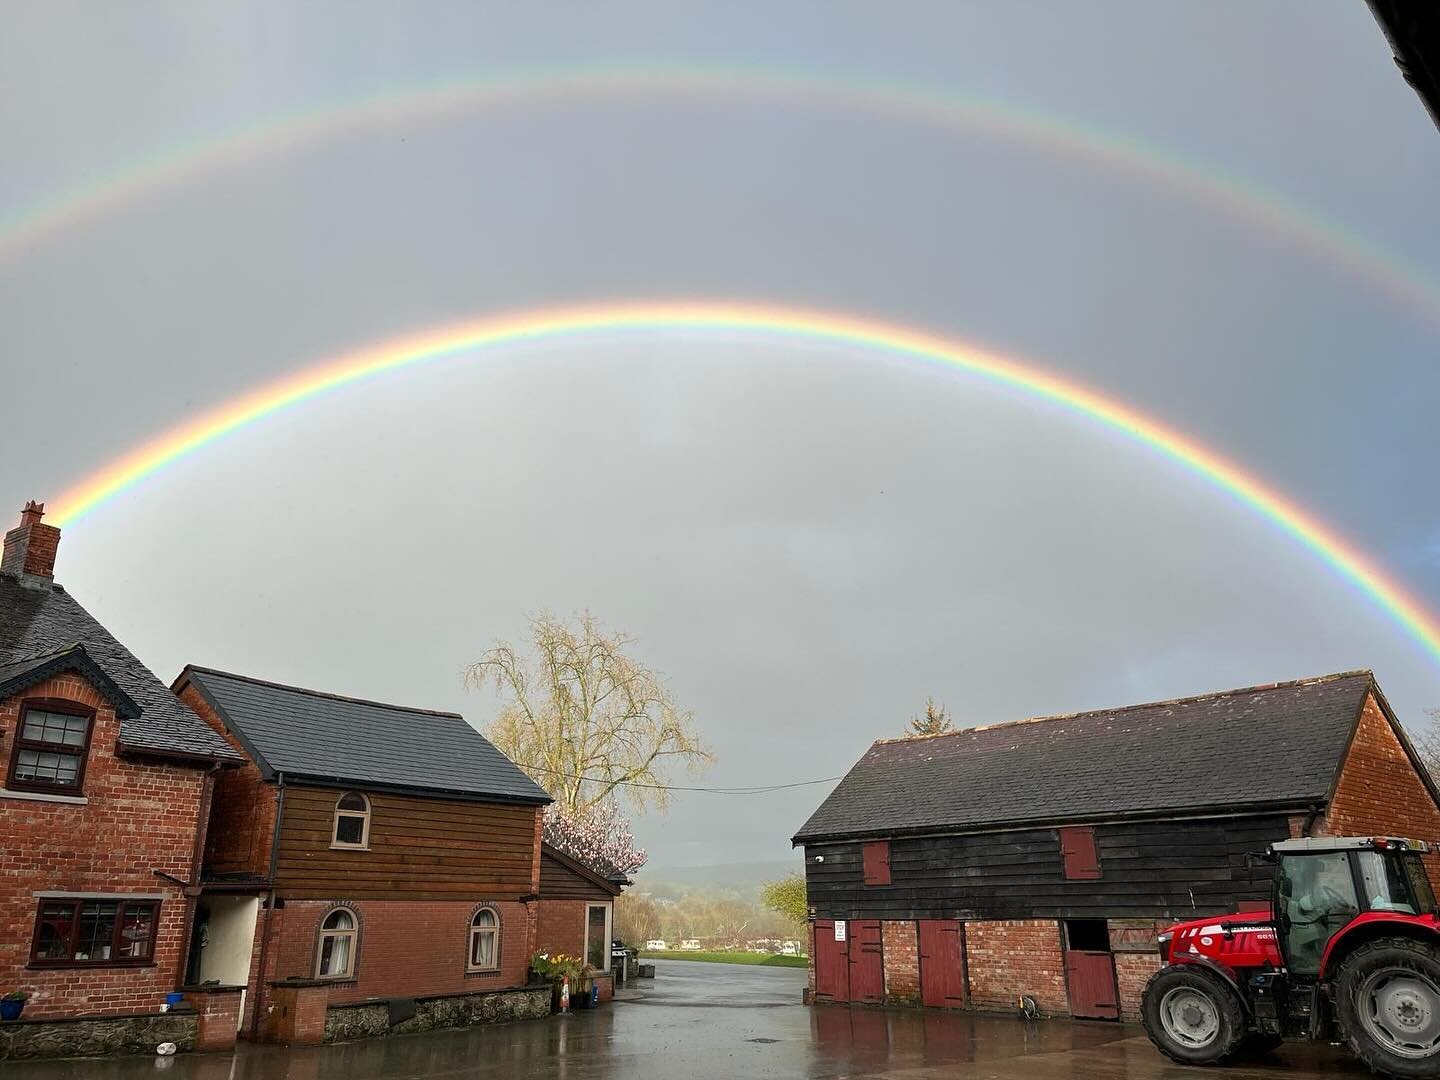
(867, 963)
(832, 963)
(1090, 970)
(942, 963)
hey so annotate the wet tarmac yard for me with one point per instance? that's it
(717, 1022)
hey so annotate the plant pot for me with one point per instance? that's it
(11, 1010)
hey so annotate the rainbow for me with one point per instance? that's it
(553, 324)
(23, 228)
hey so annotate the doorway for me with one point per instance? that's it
(1090, 970)
(222, 941)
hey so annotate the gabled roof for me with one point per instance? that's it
(327, 738)
(39, 622)
(581, 869)
(22, 674)
(1273, 746)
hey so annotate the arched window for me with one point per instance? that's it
(335, 954)
(484, 941)
(352, 821)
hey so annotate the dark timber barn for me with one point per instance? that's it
(1041, 857)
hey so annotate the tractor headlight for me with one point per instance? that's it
(1164, 939)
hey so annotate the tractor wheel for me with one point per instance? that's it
(1192, 1016)
(1388, 999)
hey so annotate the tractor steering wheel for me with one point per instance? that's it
(1325, 902)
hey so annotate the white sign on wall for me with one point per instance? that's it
(839, 929)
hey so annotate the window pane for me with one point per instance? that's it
(52, 939)
(96, 934)
(352, 801)
(1386, 887)
(482, 948)
(339, 919)
(484, 917)
(349, 829)
(58, 728)
(136, 928)
(1420, 884)
(335, 954)
(44, 767)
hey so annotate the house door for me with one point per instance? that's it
(1090, 970)
(942, 963)
(867, 962)
(832, 962)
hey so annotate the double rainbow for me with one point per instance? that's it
(691, 317)
(25, 227)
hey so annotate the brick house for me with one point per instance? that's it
(389, 852)
(105, 787)
(1041, 857)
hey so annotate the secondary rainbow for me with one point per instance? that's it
(393, 111)
(694, 317)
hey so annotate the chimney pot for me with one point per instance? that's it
(30, 547)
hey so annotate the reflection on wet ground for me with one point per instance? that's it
(716, 1022)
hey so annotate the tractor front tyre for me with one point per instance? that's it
(1388, 1001)
(1192, 1016)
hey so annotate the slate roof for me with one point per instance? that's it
(23, 674)
(38, 621)
(307, 734)
(1275, 745)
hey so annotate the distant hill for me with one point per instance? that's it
(740, 877)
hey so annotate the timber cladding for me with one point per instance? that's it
(1148, 869)
(419, 848)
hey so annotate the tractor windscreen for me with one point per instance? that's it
(1396, 883)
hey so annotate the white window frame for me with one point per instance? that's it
(609, 907)
(351, 955)
(475, 930)
(363, 815)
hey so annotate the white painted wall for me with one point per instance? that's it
(229, 938)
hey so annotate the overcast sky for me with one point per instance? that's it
(806, 540)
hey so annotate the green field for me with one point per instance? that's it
(762, 959)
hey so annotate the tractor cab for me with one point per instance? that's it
(1324, 884)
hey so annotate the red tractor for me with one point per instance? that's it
(1349, 950)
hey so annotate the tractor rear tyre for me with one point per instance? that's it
(1192, 1016)
(1388, 1000)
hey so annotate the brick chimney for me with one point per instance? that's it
(30, 547)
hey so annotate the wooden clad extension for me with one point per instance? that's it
(419, 848)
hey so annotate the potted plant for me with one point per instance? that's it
(12, 1004)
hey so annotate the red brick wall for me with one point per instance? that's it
(900, 946)
(139, 817)
(407, 948)
(1010, 957)
(1380, 792)
(560, 926)
(242, 809)
(1132, 972)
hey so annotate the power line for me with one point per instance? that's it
(763, 789)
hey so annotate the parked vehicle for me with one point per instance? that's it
(1349, 951)
(656, 945)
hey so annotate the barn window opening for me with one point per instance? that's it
(875, 856)
(1078, 854)
(352, 821)
(1087, 935)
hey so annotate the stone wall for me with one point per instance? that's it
(364, 1021)
(96, 1036)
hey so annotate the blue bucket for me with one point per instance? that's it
(175, 997)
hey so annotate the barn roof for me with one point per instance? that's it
(332, 739)
(1272, 746)
(43, 630)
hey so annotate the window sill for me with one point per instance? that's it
(482, 973)
(349, 847)
(43, 796)
(71, 965)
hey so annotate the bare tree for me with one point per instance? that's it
(935, 721)
(1427, 744)
(585, 719)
